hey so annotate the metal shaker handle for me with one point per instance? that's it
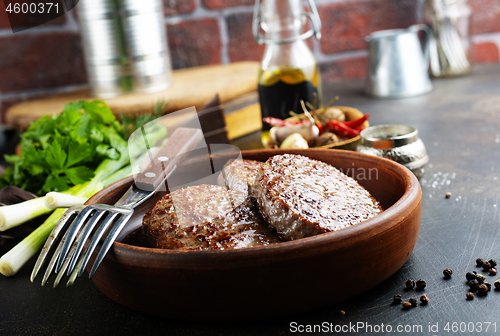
(421, 27)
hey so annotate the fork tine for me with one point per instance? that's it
(96, 238)
(56, 231)
(66, 262)
(72, 231)
(113, 233)
(87, 230)
(52, 262)
(76, 271)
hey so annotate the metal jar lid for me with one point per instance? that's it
(388, 136)
(399, 143)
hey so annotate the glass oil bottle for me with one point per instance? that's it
(288, 71)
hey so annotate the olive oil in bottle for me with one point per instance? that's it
(281, 91)
(288, 71)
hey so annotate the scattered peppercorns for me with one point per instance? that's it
(447, 273)
(470, 276)
(448, 195)
(407, 305)
(473, 284)
(482, 289)
(409, 284)
(488, 285)
(480, 278)
(420, 284)
(475, 281)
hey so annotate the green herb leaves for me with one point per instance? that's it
(61, 151)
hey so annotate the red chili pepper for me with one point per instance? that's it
(342, 129)
(358, 122)
(283, 123)
(319, 125)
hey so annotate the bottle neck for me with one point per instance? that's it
(282, 19)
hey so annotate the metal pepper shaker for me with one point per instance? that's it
(399, 143)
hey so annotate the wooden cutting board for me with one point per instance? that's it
(190, 87)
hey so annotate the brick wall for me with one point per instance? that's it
(48, 59)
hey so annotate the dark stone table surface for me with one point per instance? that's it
(459, 122)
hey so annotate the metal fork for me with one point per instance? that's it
(453, 57)
(68, 256)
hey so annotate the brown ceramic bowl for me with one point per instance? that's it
(273, 280)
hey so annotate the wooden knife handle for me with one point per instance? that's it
(178, 146)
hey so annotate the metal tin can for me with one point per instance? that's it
(125, 46)
(399, 143)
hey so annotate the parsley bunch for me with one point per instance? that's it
(58, 152)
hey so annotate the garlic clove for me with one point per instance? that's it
(309, 132)
(295, 140)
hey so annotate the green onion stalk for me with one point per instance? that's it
(108, 172)
(55, 200)
(17, 214)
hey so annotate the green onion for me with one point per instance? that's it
(13, 215)
(54, 200)
(12, 261)
(16, 214)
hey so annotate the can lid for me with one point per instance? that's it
(388, 136)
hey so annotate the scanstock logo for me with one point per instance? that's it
(26, 14)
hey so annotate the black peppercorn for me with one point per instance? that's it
(424, 299)
(469, 296)
(493, 263)
(413, 302)
(482, 289)
(407, 305)
(447, 273)
(480, 278)
(397, 299)
(420, 284)
(479, 262)
(488, 285)
(470, 276)
(492, 271)
(409, 284)
(497, 284)
(473, 284)
(486, 266)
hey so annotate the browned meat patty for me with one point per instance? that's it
(301, 197)
(240, 175)
(206, 217)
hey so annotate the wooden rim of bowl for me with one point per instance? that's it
(127, 254)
